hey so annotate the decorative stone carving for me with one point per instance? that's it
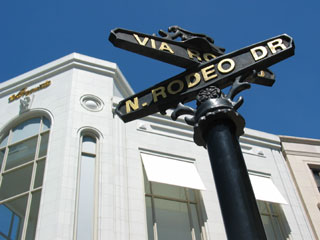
(25, 103)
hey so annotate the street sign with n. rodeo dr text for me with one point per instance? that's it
(220, 71)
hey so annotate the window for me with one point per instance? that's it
(316, 175)
(86, 188)
(22, 162)
(172, 212)
(270, 217)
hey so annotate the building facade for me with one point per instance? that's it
(71, 169)
(303, 157)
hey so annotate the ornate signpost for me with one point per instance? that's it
(217, 124)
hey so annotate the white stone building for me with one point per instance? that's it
(71, 169)
(303, 158)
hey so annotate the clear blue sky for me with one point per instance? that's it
(35, 32)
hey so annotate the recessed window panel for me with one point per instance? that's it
(267, 224)
(4, 142)
(168, 190)
(146, 184)
(316, 175)
(273, 208)
(1, 156)
(172, 220)
(5, 220)
(277, 228)
(39, 174)
(86, 198)
(26, 129)
(262, 207)
(88, 145)
(195, 221)
(86, 190)
(149, 218)
(43, 144)
(12, 217)
(170, 213)
(21, 153)
(16, 227)
(33, 215)
(270, 219)
(46, 124)
(16, 182)
(191, 196)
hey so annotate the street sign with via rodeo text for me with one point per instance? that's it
(206, 65)
(188, 53)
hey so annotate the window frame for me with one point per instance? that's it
(271, 215)
(34, 163)
(93, 134)
(187, 201)
(315, 169)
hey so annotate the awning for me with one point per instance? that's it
(170, 171)
(265, 190)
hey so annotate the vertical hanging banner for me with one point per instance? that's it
(206, 65)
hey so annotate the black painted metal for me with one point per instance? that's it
(237, 201)
(217, 124)
(244, 64)
(217, 127)
(125, 39)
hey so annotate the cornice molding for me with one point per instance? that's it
(74, 60)
(300, 140)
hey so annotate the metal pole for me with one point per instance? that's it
(237, 201)
(217, 127)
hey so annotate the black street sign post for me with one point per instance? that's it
(217, 124)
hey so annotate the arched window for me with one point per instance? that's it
(86, 196)
(22, 161)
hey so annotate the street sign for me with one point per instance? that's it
(220, 72)
(194, 49)
(216, 123)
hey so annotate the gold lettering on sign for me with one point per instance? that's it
(208, 73)
(160, 91)
(275, 44)
(203, 75)
(165, 47)
(261, 74)
(153, 43)
(258, 52)
(193, 53)
(229, 62)
(143, 42)
(24, 92)
(134, 105)
(196, 79)
(208, 56)
(176, 82)
(261, 52)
